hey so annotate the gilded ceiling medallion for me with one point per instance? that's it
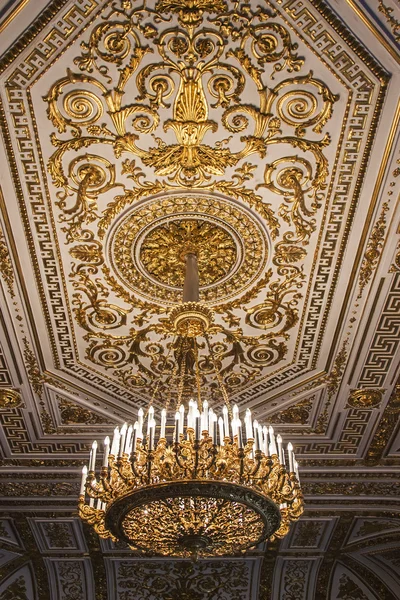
(164, 248)
(147, 247)
(9, 398)
(365, 398)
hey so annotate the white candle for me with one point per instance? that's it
(211, 416)
(234, 426)
(92, 464)
(103, 506)
(296, 468)
(152, 432)
(260, 437)
(214, 429)
(135, 435)
(106, 451)
(124, 429)
(204, 417)
(128, 440)
(197, 427)
(149, 418)
(249, 426)
(98, 504)
(265, 444)
(235, 411)
(181, 418)
(256, 438)
(190, 414)
(247, 422)
(115, 442)
(177, 417)
(83, 481)
(140, 421)
(290, 455)
(221, 432)
(163, 422)
(91, 502)
(280, 451)
(272, 441)
(226, 420)
(240, 435)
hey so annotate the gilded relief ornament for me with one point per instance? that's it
(365, 398)
(9, 398)
(73, 414)
(158, 152)
(147, 247)
(6, 268)
(373, 250)
(165, 247)
(391, 19)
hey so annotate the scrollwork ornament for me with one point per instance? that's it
(154, 107)
(6, 267)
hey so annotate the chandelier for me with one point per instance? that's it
(203, 485)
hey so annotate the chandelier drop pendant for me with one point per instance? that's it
(208, 486)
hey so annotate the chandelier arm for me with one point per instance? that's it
(196, 447)
(177, 447)
(197, 373)
(93, 491)
(182, 371)
(212, 453)
(174, 375)
(241, 461)
(218, 376)
(157, 386)
(104, 479)
(150, 456)
(118, 464)
(133, 464)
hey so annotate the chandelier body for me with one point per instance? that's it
(192, 495)
(202, 490)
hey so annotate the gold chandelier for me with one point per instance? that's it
(210, 487)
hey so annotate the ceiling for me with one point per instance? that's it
(265, 138)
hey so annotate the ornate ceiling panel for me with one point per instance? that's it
(145, 132)
(165, 129)
(264, 137)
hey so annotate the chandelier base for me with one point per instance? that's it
(205, 518)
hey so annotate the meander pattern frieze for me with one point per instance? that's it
(5, 375)
(101, 169)
(385, 341)
(21, 441)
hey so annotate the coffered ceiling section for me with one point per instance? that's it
(242, 132)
